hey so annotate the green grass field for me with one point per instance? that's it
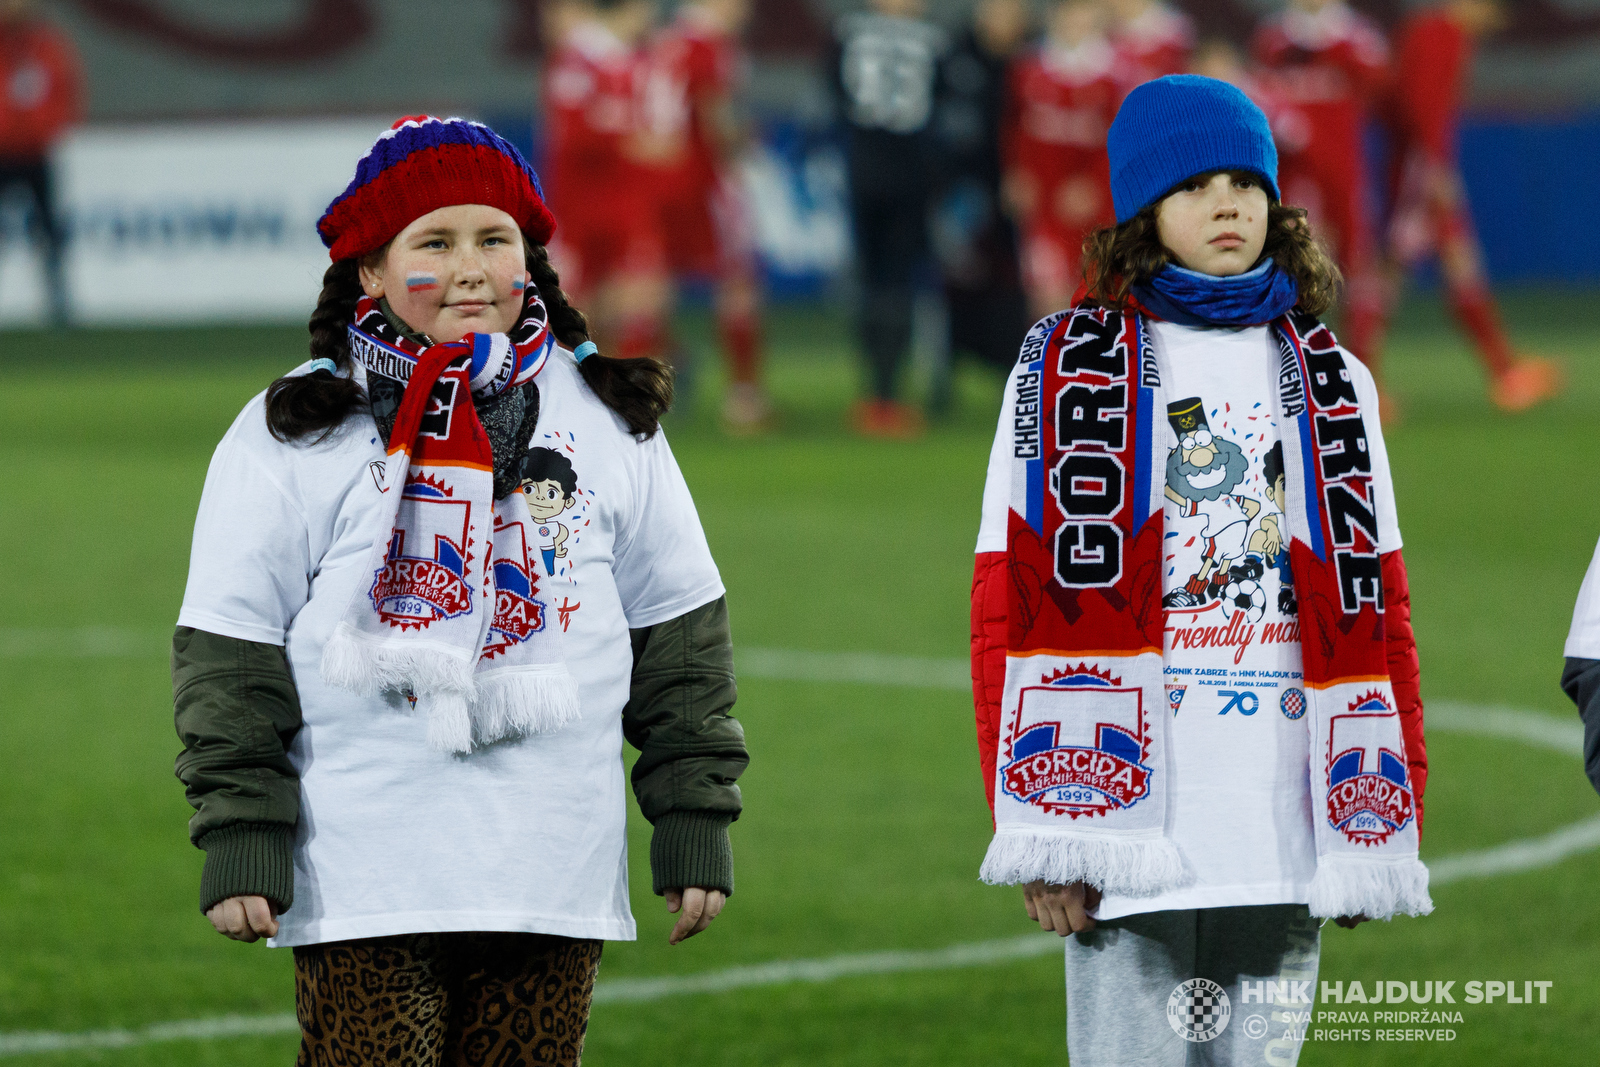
(864, 821)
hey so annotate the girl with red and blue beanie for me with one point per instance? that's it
(402, 685)
(1194, 671)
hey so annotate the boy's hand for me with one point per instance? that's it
(699, 907)
(245, 918)
(1062, 908)
(1350, 922)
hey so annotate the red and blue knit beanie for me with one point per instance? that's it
(421, 164)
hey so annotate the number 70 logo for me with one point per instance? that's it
(1243, 699)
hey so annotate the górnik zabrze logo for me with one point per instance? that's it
(1369, 790)
(423, 579)
(1077, 744)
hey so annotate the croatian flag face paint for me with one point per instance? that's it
(419, 282)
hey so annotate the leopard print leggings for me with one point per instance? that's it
(445, 1000)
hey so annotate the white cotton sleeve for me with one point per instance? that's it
(1583, 640)
(250, 562)
(1382, 482)
(997, 484)
(663, 566)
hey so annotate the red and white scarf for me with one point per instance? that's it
(1081, 783)
(451, 615)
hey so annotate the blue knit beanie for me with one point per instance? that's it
(1173, 128)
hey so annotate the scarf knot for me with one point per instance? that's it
(1189, 298)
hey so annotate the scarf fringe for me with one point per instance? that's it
(353, 661)
(538, 699)
(1131, 867)
(462, 709)
(449, 722)
(1378, 889)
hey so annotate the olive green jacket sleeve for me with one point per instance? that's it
(691, 749)
(237, 712)
(1580, 680)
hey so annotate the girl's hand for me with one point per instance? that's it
(699, 907)
(1062, 908)
(1350, 922)
(245, 918)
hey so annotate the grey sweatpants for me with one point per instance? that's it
(1125, 1007)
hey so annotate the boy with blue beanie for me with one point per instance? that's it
(1195, 677)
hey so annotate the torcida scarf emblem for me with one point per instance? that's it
(1081, 790)
(451, 614)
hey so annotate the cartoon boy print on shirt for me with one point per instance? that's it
(1203, 473)
(1270, 540)
(549, 484)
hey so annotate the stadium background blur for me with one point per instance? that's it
(216, 131)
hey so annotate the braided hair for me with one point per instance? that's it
(298, 406)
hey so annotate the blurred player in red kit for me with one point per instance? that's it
(1152, 38)
(41, 90)
(1063, 95)
(1331, 64)
(696, 69)
(609, 247)
(1433, 59)
(1291, 132)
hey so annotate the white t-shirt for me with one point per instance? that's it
(394, 836)
(1240, 785)
(1583, 640)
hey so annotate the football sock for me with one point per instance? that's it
(1475, 310)
(741, 342)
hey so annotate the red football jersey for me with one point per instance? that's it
(1059, 106)
(692, 63)
(1432, 60)
(1157, 43)
(1330, 66)
(592, 114)
(40, 89)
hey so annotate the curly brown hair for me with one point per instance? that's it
(1116, 258)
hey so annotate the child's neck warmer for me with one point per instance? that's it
(451, 616)
(1190, 298)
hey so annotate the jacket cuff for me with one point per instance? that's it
(248, 859)
(691, 849)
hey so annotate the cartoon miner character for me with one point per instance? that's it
(1202, 473)
(548, 482)
(1269, 541)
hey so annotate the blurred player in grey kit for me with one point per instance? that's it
(883, 69)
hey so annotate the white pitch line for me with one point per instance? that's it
(786, 972)
(615, 991)
(24, 1043)
(1530, 853)
(1532, 728)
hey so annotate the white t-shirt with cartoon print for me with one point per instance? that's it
(394, 836)
(1240, 789)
